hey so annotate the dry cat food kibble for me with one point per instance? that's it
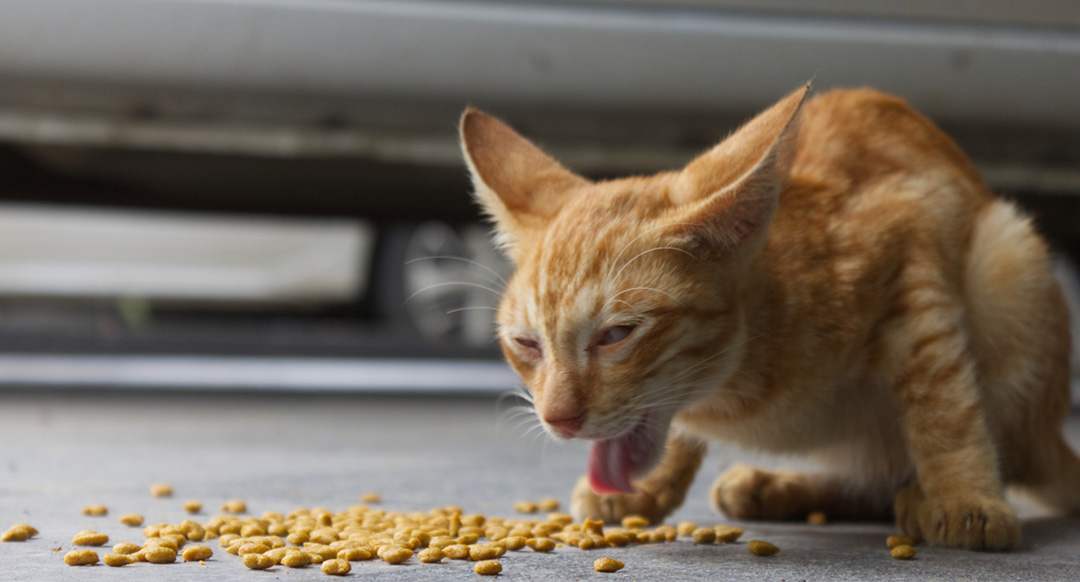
(197, 553)
(96, 510)
(894, 541)
(117, 560)
(525, 507)
(193, 506)
(336, 567)
(488, 567)
(370, 498)
(338, 541)
(817, 518)
(158, 554)
(132, 519)
(258, 561)
(161, 490)
(760, 548)
(549, 504)
(126, 548)
(903, 552)
(234, 506)
(90, 538)
(607, 565)
(704, 535)
(19, 532)
(81, 558)
(727, 534)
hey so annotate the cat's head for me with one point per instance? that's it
(625, 303)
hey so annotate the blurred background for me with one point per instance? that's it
(268, 194)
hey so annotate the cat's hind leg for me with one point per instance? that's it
(656, 495)
(745, 492)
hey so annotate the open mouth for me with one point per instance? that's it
(613, 462)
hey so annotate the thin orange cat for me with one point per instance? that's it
(832, 280)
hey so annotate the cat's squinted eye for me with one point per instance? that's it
(529, 347)
(616, 334)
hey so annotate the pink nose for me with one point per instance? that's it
(567, 426)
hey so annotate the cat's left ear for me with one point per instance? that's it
(725, 199)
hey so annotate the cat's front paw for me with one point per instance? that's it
(584, 503)
(746, 492)
(972, 522)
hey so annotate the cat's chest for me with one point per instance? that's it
(804, 417)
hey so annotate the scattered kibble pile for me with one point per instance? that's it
(334, 540)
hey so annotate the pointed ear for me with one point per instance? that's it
(725, 199)
(518, 186)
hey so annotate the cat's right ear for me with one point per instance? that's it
(519, 186)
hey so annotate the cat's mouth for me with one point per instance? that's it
(613, 462)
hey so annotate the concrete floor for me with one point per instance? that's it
(61, 451)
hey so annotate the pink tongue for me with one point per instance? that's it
(610, 467)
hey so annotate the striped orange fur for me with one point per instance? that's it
(833, 280)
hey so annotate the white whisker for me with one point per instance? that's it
(430, 287)
(498, 278)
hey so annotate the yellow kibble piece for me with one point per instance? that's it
(431, 555)
(197, 553)
(593, 527)
(562, 519)
(118, 560)
(817, 518)
(541, 544)
(161, 490)
(632, 521)
(686, 528)
(251, 548)
(336, 567)
(514, 542)
(370, 498)
(726, 534)
(96, 510)
(324, 551)
(488, 567)
(234, 506)
(131, 519)
(158, 554)
(193, 506)
(258, 561)
(607, 565)
(760, 548)
(19, 532)
(296, 559)
(549, 504)
(228, 539)
(704, 535)
(903, 552)
(669, 533)
(357, 554)
(894, 541)
(394, 554)
(456, 552)
(525, 507)
(89, 538)
(617, 538)
(126, 548)
(485, 552)
(81, 558)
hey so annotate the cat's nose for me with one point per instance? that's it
(567, 426)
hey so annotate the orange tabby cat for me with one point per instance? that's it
(833, 279)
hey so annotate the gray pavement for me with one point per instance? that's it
(61, 451)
